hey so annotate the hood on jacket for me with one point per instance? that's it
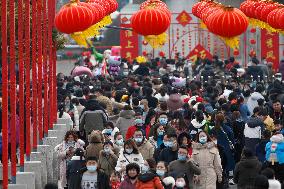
(197, 145)
(93, 105)
(277, 138)
(127, 114)
(196, 124)
(251, 162)
(254, 122)
(95, 137)
(255, 96)
(146, 177)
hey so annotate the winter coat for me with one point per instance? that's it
(252, 132)
(148, 181)
(254, 71)
(93, 117)
(245, 172)
(146, 149)
(208, 71)
(131, 130)
(124, 159)
(107, 102)
(223, 136)
(168, 130)
(209, 161)
(238, 127)
(107, 162)
(260, 150)
(252, 101)
(195, 127)
(61, 150)
(277, 140)
(126, 184)
(125, 120)
(142, 70)
(95, 145)
(102, 179)
(245, 113)
(73, 172)
(168, 155)
(187, 168)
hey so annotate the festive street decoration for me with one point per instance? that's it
(141, 59)
(183, 18)
(236, 52)
(162, 54)
(199, 52)
(151, 21)
(253, 41)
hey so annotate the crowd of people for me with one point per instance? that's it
(202, 126)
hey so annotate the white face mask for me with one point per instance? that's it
(145, 168)
(180, 184)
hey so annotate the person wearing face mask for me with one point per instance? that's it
(159, 133)
(92, 177)
(170, 152)
(149, 166)
(144, 146)
(118, 143)
(131, 178)
(184, 166)
(72, 111)
(110, 131)
(206, 155)
(139, 124)
(129, 154)
(126, 119)
(180, 182)
(164, 121)
(65, 152)
(162, 171)
(107, 158)
(197, 124)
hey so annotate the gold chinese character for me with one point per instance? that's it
(128, 55)
(193, 58)
(183, 18)
(129, 45)
(202, 54)
(196, 50)
(270, 55)
(128, 34)
(269, 43)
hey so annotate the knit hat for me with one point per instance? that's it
(174, 102)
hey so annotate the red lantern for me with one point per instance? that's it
(202, 6)
(266, 10)
(236, 52)
(156, 3)
(252, 53)
(144, 53)
(252, 30)
(281, 18)
(273, 20)
(244, 7)
(208, 11)
(227, 22)
(252, 41)
(106, 4)
(100, 11)
(73, 17)
(253, 7)
(195, 7)
(150, 22)
(144, 42)
(162, 54)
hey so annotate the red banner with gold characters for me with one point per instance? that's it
(270, 47)
(199, 51)
(129, 43)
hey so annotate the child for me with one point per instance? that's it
(180, 182)
(115, 180)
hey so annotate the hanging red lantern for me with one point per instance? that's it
(156, 3)
(150, 21)
(281, 18)
(162, 54)
(252, 41)
(224, 19)
(273, 18)
(236, 52)
(266, 10)
(202, 6)
(253, 7)
(252, 53)
(106, 4)
(195, 7)
(100, 11)
(208, 11)
(144, 42)
(244, 7)
(73, 17)
(144, 53)
(252, 30)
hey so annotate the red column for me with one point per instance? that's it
(12, 92)
(39, 68)
(34, 73)
(5, 93)
(21, 82)
(27, 79)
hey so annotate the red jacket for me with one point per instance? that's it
(149, 181)
(131, 130)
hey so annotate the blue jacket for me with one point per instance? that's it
(279, 139)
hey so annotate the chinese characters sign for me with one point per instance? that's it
(183, 18)
(199, 51)
(128, 43)
(270, 47)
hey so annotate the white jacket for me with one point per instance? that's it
(252, 132)
(252, 101)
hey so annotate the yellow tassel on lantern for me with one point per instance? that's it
(91, 31)
(232, 42)
(156, 41)
(79, 38)
(202, 25)
(141, 59)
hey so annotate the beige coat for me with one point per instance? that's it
(146, 149)
(107, 162)
(209, 161)
(95, 146)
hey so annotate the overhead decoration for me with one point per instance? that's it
(141, 59)
(220, 20)
(152, 21)
(265, 14)
(82, 20)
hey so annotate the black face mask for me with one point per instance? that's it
(132, 178)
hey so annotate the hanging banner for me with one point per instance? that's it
(270, 47)
(129, 43)
(199, 51)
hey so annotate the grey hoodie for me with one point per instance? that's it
(125, 120)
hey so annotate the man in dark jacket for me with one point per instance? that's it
(247, 170)
(254, 70)
(91, 177)
(142, 70)
(170, 152)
